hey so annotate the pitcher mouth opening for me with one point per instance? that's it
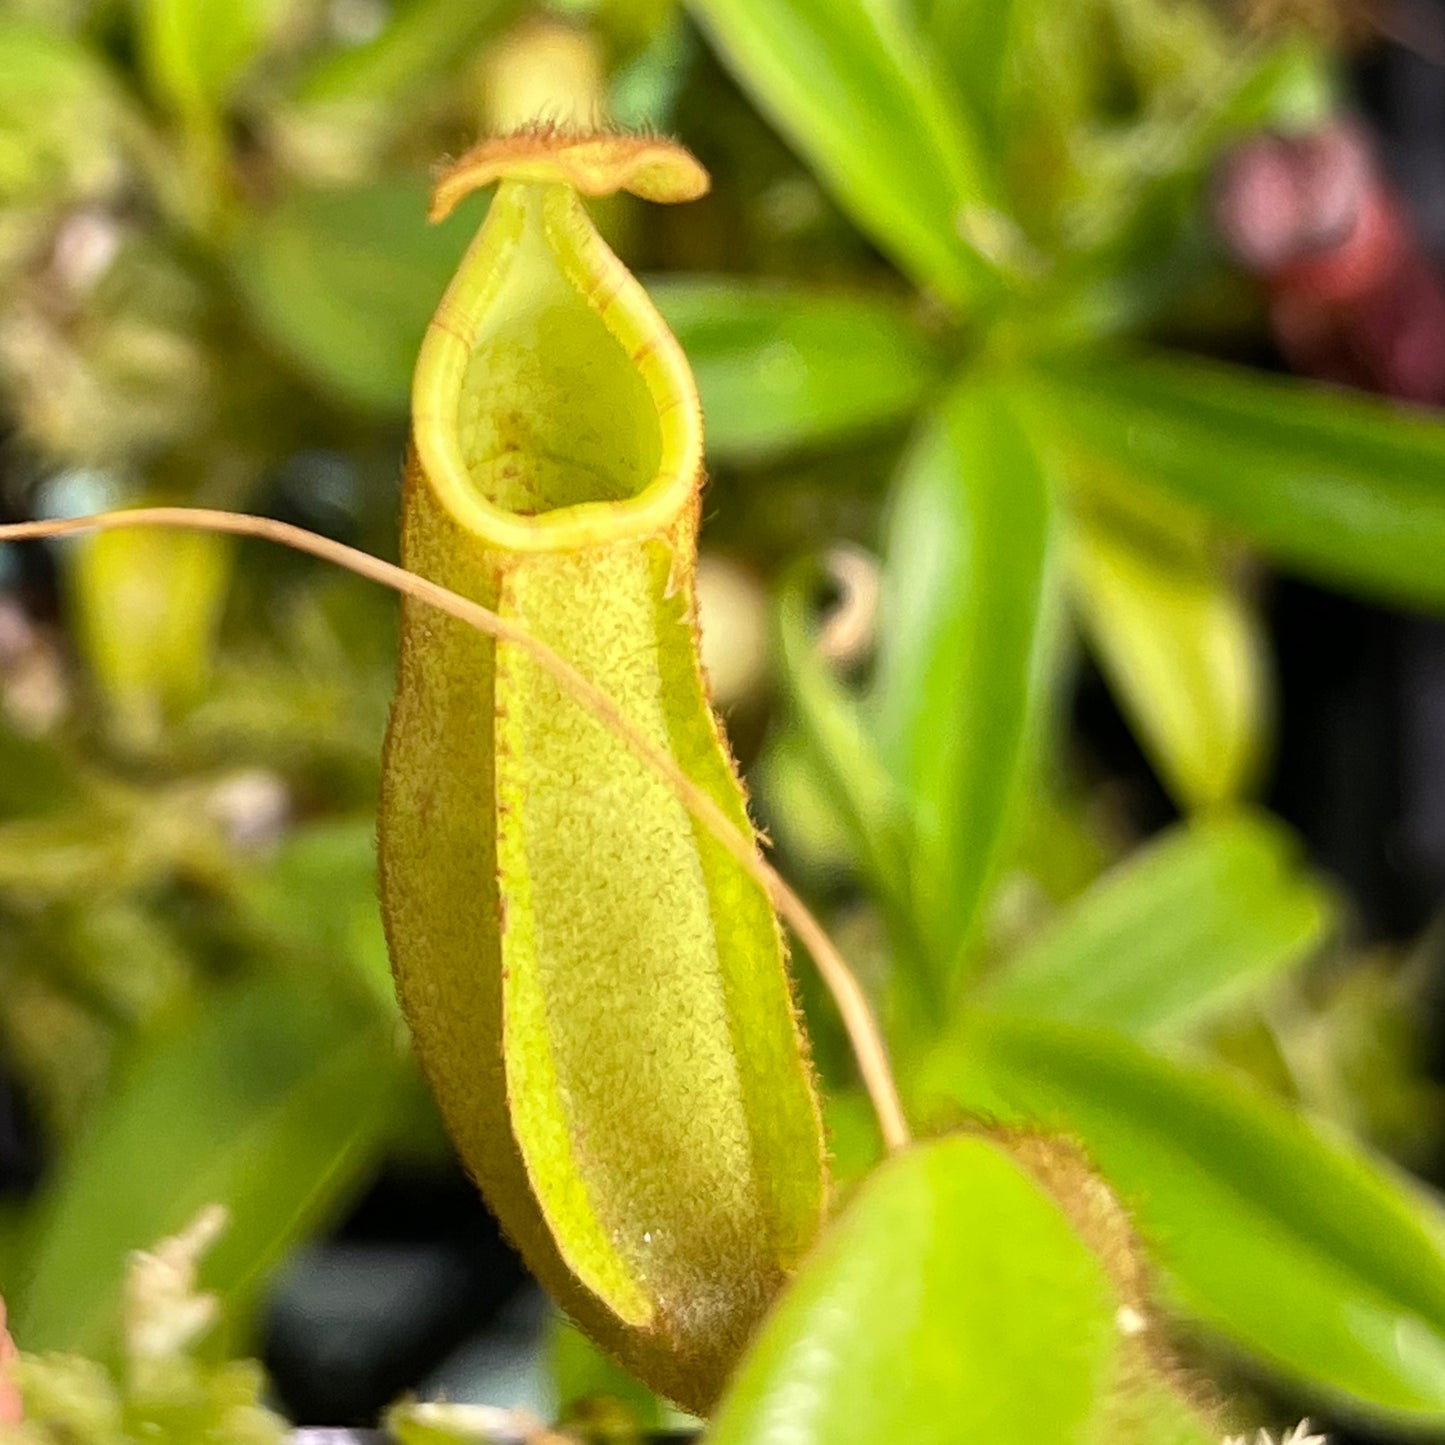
(552, 408)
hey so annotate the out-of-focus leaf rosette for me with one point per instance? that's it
(100, 354)
(107, 388)
(91, 957)
(67, 135)
(101, 348)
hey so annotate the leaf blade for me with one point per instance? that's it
(946, 1357)
(960, 676)
(344, 282)
(870, 116)
(1208, 911)
(195, 51)
(1345, 488)
(783, 369)
(978, 41)
(1182, 647)
(840, 743)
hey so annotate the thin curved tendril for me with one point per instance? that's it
(863, 1034)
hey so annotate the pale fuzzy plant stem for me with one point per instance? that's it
(863, 1033)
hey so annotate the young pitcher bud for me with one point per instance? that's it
(597, 991)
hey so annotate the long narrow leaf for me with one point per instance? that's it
(975, 41)
(852, 87)
(1341, 487)
(1182, 647)
(1209, 912)
(959, 678)
(194, 50)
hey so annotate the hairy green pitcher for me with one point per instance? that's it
(597, 991)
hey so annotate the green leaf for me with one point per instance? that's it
(851, 85)
(926, 1314)
(344, 282)
(960, 672)
(1290, 1244)
(1182, 647)
(317, 897)
(63, 121)
(194, 51)
(272, 1101)
(1206, 914)
(1339, 486)
(1293, 87)
(854, 1139)
(782, 369)
(975, 41)
(591, 1387)
(800, 808)
(94, 848)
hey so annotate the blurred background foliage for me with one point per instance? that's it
(1001, 500)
